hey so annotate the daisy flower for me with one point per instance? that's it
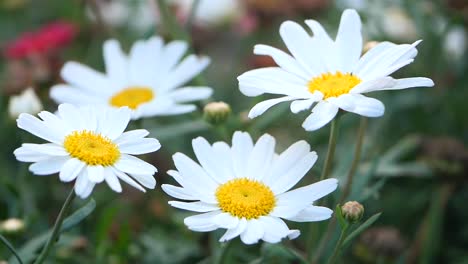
(330, 73)
(147, 80)
(244, 188)
(88, 145)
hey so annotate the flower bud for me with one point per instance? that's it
(352, 211)
(26, 102)
(216, 113)
(12, 225)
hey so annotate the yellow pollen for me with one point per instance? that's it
(91, 148)
(132, 97)
(245, 198)
(333, 85)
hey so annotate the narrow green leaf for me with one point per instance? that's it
(343, 223)
(361, 228)
(28, 251)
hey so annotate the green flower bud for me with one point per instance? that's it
(216, 113)
(352, 211)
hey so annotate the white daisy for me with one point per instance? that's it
(331, 73)
(147, 80)
(244, 188)
(88, 144)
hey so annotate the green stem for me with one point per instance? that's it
(331, 148)
(357, 158)
(224, 252)
(171, 23)
(337, 249)
(193, 11)
(57, 225)
(11, 248)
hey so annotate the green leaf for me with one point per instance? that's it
(361, 228)
(338, 214)
(177, 130)
(28, 251)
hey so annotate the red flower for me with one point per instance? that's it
(51, 37)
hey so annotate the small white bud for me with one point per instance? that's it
(26, 102)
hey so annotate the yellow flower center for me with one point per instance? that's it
(91, 148)
(333, 85)
(245, 198)
(132, 97)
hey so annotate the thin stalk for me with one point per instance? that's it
(171, 23)
(193, 11)
(11, 248)
(56, 229)
(331, 148)
(337, 250)
(224, 252)
(357, 158)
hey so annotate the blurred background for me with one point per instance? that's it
(414, 165)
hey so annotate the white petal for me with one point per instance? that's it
(83, 77)
(96, 173)
(373, 53)
(253, 233)
(147, 181)
(131, 164)
(209, 160)
(234, 232)
(71, 169)
(273, 80)
(39, 128)
(112, 180)
(140, 146)
(178, 192)
(188, 94)
(286, 160)
(192, 185)
(201, 222)
(81, 184)
(300, 44)
(190, 67)
(283, 60)
(242, 146)
(409, 83)
(301, 105)
(322, 113)
(194, 206)
(131, 135)
(349, 40)
(172, 53)
(275, 229)
(62, 93)
(48, 166)
(360, 104)
(116, 62)
(373, 85)
(292, 202)
(377, 67)
(311, 214)
(190, 169)
(261, 107)
(124, 177)
(259, 162)
(29, 152)
(294, 173)
(72, 116)
(225, 220)
(114, 121)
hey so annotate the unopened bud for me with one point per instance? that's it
(216, 113)
(352, 211)
(369, 45)
(12, 225)
(26, 102)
